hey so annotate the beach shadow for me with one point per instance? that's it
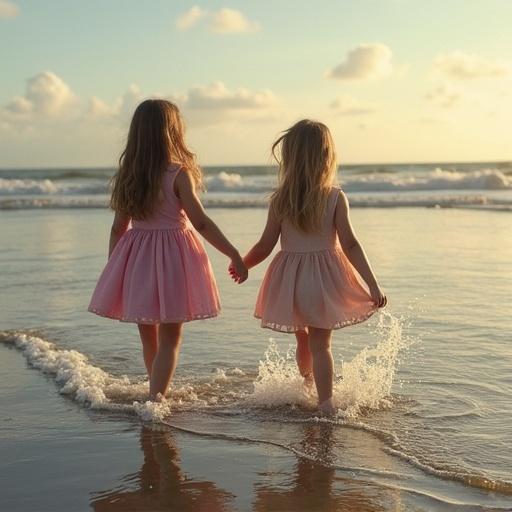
(160, 484)
(315, 486)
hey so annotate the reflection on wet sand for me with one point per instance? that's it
(160, 485)
(297, 485)
(315, 487)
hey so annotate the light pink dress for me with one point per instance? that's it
(159, 271)
(310, 281)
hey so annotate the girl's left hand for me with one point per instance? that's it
(378, 297)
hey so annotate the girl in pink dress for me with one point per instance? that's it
(158, 274)
(312, 286)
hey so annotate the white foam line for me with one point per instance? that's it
(298, 453)
(474, 480)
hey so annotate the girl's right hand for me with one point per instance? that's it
(237, 270)
(378, 296)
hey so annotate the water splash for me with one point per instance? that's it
(365, 382)
(367, 379)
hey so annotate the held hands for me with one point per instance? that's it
(378, 296)
(237, 270)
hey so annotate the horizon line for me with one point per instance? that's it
(347, 164)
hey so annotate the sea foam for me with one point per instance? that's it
(365, 381)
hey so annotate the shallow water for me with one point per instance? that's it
(425, 409)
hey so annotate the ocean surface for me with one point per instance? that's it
(424, 388)
(485, 185)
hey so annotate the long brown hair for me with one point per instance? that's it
(155, 139)
(307, 168)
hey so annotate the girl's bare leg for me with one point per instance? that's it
(303, 355)
(166, 359)
(149, 339)
(323, 366)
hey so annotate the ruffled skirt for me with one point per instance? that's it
(157, 276)
(316, 289)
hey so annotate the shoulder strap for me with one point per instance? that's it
(173, 171)
(174, 168)
(333, 200)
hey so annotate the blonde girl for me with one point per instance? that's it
(312, 285)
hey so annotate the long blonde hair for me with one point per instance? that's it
(307, 168)
(155, 139)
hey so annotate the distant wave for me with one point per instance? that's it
(438, 179)
(234, 183)
(17, 187)
(380, 181)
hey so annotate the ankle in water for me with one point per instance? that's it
(308, 379)
(327, 407)
(159, 398)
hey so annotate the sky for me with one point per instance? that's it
(395, 80)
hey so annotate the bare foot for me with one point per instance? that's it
(327, 408)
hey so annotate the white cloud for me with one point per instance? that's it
(50, 107)
(129, 101)
(121, 108)
(8, 9)
(48, 93)
(216, 96)
(364, 62)
(347, 105)
(223, 21)
(228, 21)
(19, 105)
(444, 96)
(190, 18)
(216, 104)
(466, 67)
(97, 108)
(46, 96)
(202, 105)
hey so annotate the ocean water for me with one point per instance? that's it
(423, 389)
(486, 185)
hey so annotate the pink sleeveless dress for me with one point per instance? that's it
(159, 271)
(310, 281)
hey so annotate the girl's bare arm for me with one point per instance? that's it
(119, 227)
(185, 190)
(354, 251)
(265, 244)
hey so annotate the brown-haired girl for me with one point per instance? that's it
(311, 287)
(158, 274)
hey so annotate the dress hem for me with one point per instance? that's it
(337, 325)
(154, 321)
